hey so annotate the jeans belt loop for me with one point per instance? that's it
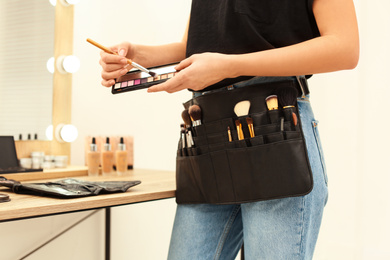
(303, 85)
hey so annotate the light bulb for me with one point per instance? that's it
(71, 64)
(68, 64)
(50, 65)
(49, 132)
(69, 133)
(66, 133)
(69, 2)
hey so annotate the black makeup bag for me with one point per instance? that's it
(272, 164)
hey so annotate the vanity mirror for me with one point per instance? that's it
(54, 105)
(26, 85)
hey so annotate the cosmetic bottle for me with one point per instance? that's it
(121, 158)
(107, 158)
(93, 159)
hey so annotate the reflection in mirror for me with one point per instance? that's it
(26, 44)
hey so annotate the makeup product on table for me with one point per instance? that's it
(93, 159)
(130, 62)
(241, 109)
(107, 158)
(121, 158)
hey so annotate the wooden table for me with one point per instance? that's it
(155, 185)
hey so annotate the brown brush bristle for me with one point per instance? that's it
(195, 113)
(287, 96)
(186, 117)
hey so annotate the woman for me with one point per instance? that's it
(227, 42)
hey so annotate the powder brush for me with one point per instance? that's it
(241, 109)
(186, 118)
(196, 115)
(287, 96)
(130, 62)
(287, 99)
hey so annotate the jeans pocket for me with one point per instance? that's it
(320, 150)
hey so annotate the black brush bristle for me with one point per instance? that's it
(153, 74)
(287, 96)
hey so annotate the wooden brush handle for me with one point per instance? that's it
(106, 49)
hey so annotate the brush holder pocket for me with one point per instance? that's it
(221, 168)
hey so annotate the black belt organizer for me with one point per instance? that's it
(272, 164)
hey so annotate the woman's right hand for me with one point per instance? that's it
(114, 66)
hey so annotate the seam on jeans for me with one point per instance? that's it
(302, 231)
(225, 232)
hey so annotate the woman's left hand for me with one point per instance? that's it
(196, 72)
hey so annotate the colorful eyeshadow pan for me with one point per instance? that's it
(136, 79)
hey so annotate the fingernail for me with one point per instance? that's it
(123, 72)
(121, 52)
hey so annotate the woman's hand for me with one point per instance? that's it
(115, 66)
(196, 73)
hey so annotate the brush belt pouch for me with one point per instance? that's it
(272, 164)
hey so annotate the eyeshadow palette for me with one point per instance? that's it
(136, 79)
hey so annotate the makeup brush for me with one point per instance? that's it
(187, 121)
(249, 121)
(288, 99)
(272, 102)
(241, 109)
(240, 134)
(196, 115)
(272, 105)
(229, 134)
(183, 138)
(186, 118)
(132, 63)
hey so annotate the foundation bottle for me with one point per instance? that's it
(93, 159)
(107, 158)
(121, 158)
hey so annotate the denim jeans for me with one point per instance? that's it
(280, 229)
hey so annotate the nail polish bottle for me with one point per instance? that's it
(93, 159)
(107, 158)
(121, 158)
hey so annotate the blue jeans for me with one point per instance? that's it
(280, 229)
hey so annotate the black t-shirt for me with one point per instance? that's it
(245, 26)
